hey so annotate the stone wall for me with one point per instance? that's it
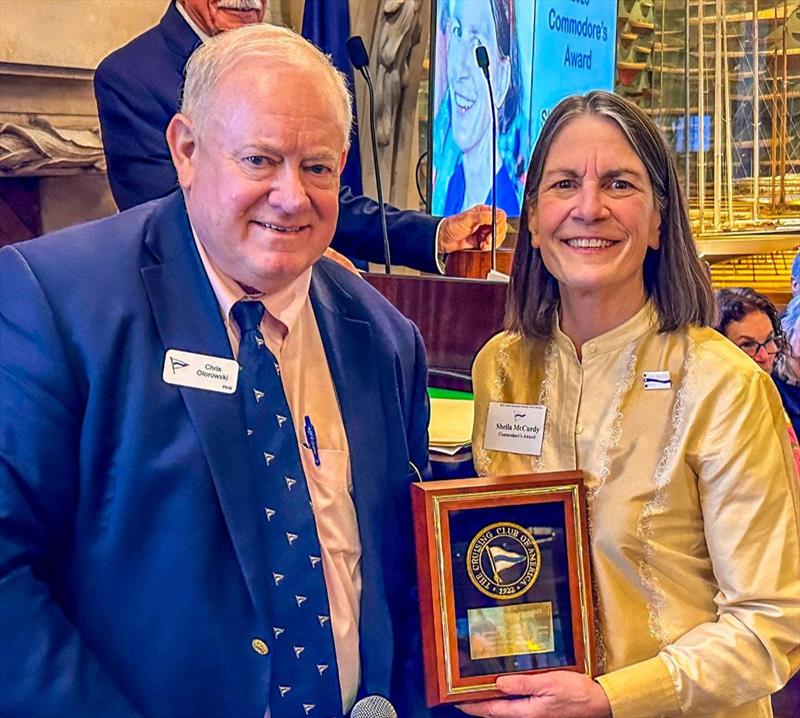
(71, 33)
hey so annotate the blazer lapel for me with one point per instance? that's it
(178, 34)
(359, 388)
(188, 318)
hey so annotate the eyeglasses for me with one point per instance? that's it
(771, 345)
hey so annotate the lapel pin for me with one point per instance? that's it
(654, 380)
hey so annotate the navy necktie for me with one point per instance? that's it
(304, 679)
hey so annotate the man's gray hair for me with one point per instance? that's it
(279, 47)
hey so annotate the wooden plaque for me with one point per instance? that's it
(504, 581)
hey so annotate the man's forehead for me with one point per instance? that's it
(289, 77)
(273, 64)
(278, 89)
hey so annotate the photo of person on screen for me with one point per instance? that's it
(463, 122)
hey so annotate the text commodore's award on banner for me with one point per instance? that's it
(504, 580)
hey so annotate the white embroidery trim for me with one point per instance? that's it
(613, 435)
(602, 460)
(480, 456)
(545, 390)
(658, 601)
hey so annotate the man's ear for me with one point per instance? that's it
(183, 148)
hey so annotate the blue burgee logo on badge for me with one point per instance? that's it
(515, 428)
(200, 371)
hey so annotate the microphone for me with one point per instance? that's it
(357, 52)
(373, 707)
(482, 58)
(360, 61)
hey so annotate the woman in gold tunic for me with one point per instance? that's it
(681, 437)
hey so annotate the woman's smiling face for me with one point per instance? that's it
(594, 216)
(472, 24)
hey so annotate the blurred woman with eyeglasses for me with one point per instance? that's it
(787, 366)
(750, 320)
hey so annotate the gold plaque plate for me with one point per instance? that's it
(511, 630)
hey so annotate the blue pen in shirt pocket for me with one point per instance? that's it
(311, 439)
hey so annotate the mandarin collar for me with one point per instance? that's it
(614, 339)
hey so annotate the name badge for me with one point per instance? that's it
(200, 371)
(515, 428)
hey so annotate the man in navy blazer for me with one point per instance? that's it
(138, 90)
(133, 575)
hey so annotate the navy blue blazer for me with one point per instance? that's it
(132, 574)
(138, 89)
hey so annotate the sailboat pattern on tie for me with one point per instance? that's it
(304, 675)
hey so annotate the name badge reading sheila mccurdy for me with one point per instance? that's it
(515, 428)
(200, 371)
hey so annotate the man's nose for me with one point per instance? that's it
(289, 192)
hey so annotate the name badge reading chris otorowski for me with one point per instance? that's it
(515, 428)
(200, 371)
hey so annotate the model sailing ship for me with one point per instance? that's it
(722, 78)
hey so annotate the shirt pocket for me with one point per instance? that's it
(335, 513)
(332, 475)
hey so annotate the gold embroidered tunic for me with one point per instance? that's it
(693, 508)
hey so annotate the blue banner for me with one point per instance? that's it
(574, 51)
(326, 23)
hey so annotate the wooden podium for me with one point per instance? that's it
(454, 316)
(473, 264)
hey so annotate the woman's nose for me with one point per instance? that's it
(590, 203)
(762, 356)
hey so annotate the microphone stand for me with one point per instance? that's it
(359, 58)
(387, 260)
(482, 58)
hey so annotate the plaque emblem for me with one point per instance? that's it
(503, 560)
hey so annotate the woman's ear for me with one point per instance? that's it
(533, 226)
(654, 238)
(501, 82)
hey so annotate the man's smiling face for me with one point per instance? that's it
(261, 177)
